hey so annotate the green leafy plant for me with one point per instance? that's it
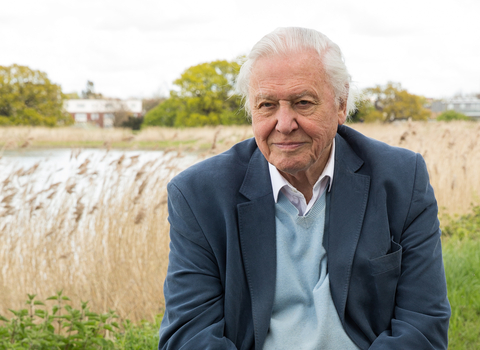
(465, 226)
(63, 327)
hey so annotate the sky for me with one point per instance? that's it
(136, 49)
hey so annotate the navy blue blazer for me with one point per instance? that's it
(382, 240)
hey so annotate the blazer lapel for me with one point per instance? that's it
(256, 220)
(347, 202)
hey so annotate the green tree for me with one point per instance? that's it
(152, 102)
(204, 96)
(392, 102)
(89, 92)
(452, 115)
(27, 97)
(366, 112)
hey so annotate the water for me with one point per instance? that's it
(33, 176)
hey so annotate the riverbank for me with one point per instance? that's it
(202, 139)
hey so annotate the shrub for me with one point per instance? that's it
(451, 115)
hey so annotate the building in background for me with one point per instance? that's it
(469, 105)
(101, 111)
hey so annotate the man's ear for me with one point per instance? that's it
(342, 111)
(342, 106)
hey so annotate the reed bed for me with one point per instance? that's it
(104, 238)
(451, 151)
(99, 239)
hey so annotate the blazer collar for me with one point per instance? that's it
(256, 221)
(346, 205)
(257, 182)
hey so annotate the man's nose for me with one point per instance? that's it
(286, 119)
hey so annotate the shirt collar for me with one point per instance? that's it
(278, 181)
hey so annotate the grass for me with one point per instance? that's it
(461, 250)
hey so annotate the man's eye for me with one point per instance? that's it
(304, 103)
(266, 105)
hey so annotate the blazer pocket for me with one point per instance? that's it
(385, 263)
(385, 272)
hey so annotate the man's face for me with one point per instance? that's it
(294, 113)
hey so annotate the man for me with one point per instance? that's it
(310, 236)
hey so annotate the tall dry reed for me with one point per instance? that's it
(451, 151)
(109, 247)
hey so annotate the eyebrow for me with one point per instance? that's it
(290, 97)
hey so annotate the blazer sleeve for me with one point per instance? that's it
(194, 316)
(422, 310)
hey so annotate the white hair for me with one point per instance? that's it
(294, 39)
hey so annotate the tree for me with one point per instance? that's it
(152, 102)
(452, 115)
(89, 92)
(391, 102)
(27, 97)
(205, 96)
(366, 112)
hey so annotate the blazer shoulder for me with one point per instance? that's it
(227, 167)
(377, 154)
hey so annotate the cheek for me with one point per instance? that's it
(262, 128)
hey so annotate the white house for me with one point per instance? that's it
(470, 106)
(101, 112)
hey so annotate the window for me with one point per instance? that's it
(108, 120)
(94, 116)
(80, 117)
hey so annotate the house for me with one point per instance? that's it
(470, 106)
(101, 111)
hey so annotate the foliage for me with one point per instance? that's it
(452, 115)
(204, 97)
(138, 336)
(391, 102)
(27, 97)
(366, 112)
(89, 92)
(465, 226)
(149, 103)
(165, 113)
(71, 96)
(66, 328)
(462, 268)
(62, 328)
(461, 247)
(133, 123)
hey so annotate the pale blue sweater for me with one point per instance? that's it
(304, 316)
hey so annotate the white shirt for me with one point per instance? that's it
(279, 183)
